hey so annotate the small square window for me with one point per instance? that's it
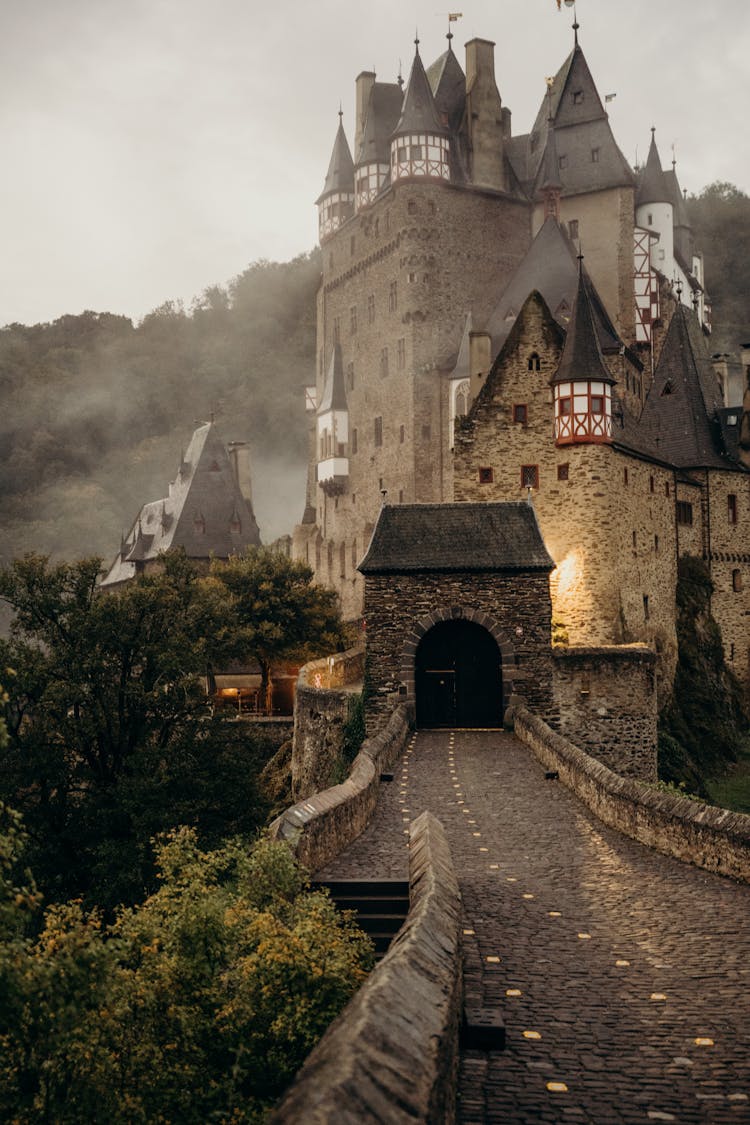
(732, 507)
(530, 476)
(563, 471)
(520, 413)
(651, 484)
(426, 431)
(378, 431)
(595, 156)
(486, 475)
(401, 434)
(573, 228)
(578, 97)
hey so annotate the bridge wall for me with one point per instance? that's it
(325, 689)
(709, 837)
(392, 1054)
(606, 701)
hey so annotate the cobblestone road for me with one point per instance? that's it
(622, 976)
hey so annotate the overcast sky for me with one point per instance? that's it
(152, 148)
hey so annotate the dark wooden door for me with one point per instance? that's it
(458, 677)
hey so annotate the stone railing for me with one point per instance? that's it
(392, 1054)
(709, 837)
(339, 670)
(320, 826)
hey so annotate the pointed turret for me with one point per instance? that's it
(551, 184)
(654, 211)
(336, 201)
(582, 383)
(372, 172)
(420, 147)
(448, 85)
(652, 187)
(333, 429)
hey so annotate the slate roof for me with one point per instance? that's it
(580, 125)
(419, 113)
(582, 354)
(334, 392)
(383, 111)
(550, 267)
(448, 84)
(456, 537)
(683, 418)
(205, 493)
(340, 175)
(653, 187)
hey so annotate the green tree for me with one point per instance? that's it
(109, 738)
(274, 610)
(720, 216)
(197, 1005)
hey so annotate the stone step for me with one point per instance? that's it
(381, 905)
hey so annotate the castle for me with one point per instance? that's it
(524, 317)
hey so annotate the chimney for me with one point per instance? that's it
(364, 83)
(480, 344)
(239, 458)
(721, 371)
(484, 113)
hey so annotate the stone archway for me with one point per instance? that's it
(458, 676)
(497, 648)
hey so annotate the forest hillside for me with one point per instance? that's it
(96, 409)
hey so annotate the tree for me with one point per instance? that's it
(197, 1005)
(274, 610)
(109, 737)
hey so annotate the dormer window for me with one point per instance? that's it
(534, 362)
(578, 97)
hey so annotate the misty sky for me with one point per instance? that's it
(155, 147)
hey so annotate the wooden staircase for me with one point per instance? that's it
(381, 906)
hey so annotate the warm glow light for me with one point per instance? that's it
(531, 1035)
(564, 575)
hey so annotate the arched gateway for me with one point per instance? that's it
(457, 613)
(458, 677)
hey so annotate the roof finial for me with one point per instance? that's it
(653, 132)
(452, 17)
(400, 78)
(674, 157)
(416, 39)
(341, 113)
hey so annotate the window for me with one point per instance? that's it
(371, 309)
(378, 431)
(337, 329)
(520, 413)
(354, 440)
(563, 471)
(635, 541)
(534, 362)
(650, 220)
(684, 513)
(562, 162)
(412, 206)
(651, 484)
(573, 228)
(646, 611)
(383, 362)
(354, 555)
(400, 495)
(624, 476)
(597, 404)
(595, 156)
(666, 488)
(393, 296)
(529, 476)
(486, 475)
(426, 431)
(732, 507)
(578, 97)
(401, 435)
(352, 245)
(737, 581)
(350, 376)
(401, 354)
(656, 544)
(353, 320)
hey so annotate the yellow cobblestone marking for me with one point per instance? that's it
(622, 964)
(703, 1041)
(471, 822)
(470, 931)
(484, 849)
(494, 867)
(476, 833)
(557, 1087)
(657, 996)
(584, 937)
(554, 913)
(531, 1035)
(492, 960)
(467, 811)
(510, 879)
(528, 896)
(513, 992)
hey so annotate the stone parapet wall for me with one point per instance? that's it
(325, 689)
(392, 1054)
(320, 827)
(713, 838)
(606, 701)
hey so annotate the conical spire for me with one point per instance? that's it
(653, 187)
(419, 113)
(340, 176)
(448, 84)
(582, 357)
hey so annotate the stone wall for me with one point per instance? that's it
(319, 828)
(326, 689)
(606, 700)
(716, 839)
(729, 561)
(392, 1055)
(401, 608)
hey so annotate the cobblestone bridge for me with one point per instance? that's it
(622, 976)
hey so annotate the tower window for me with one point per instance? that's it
(595, 156)
(383, 362)
(534, 362)
(486, 475)
(401, 354)
(666, 488)
(426, 431)
(578, 97)
(646, 609)
(350, 376)
(371, 309)
(732, 507)
(393, 296)
(520, 413)
(737, 581)
(573, 228)
(353, 320)
(337, 330)
(562, 162)
(354, 440)
(624, 476)
(530, 476)
(684, 513)
(651, 484)
(563, 471)
(656, 544)
(401, 435)
(378, 431)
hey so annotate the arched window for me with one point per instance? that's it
(534, 362)
(737, 581)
